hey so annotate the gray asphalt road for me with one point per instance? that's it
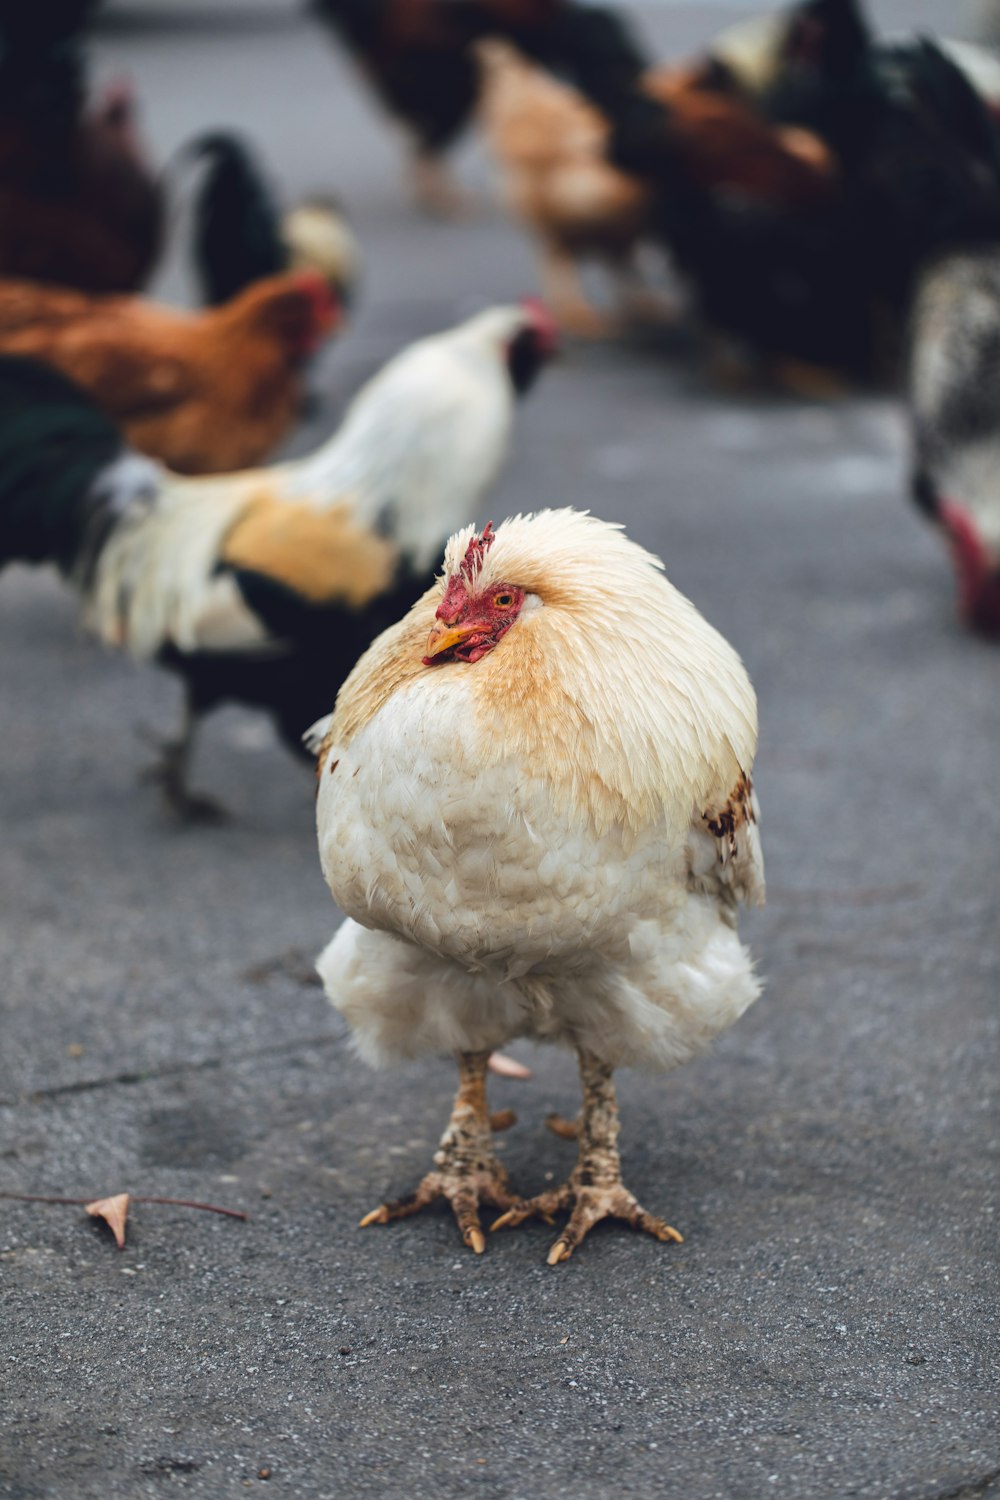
(828, 1327)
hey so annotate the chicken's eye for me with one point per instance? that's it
(503, 601)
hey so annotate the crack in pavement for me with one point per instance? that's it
(167, 1070)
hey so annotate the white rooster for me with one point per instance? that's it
(264, 586)
(535, 809)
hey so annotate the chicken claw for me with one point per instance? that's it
(587, 1206)
(467, 1171)
(595, 1190)
(613, 1201)
(170, 773)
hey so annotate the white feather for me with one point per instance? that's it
(418, 447)
(503, 895)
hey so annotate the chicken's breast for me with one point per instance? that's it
(499, 911)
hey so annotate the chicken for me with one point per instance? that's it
(751, 214)
(535, 811)
(549, 143)
(552, 145)
(79, 203)
(954, 381)
(264, 587)
(919, 155)
(822, 273)
(759, 55)
(417, 54)
(242, 235)
(203, 392)
(910, 123)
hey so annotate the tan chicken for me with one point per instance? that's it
(535, 809)
(550, 146)
(205, 392)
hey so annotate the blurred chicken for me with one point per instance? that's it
(79, 204)
(762, 55)
(535, 810)
(264, 587)
(750, 212)
(919, 156)
(724, 147)
(550, 145)
(241, 233)
(909, 121)
(955, 404)
(204, 392)
(417, 55)
(553, 143)
(912, 168)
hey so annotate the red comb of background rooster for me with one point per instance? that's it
(472, 563)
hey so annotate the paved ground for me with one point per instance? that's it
(829, 1325)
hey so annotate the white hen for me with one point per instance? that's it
(535, 809)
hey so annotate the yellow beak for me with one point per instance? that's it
(443, 637)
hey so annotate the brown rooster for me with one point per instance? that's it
(204, 392)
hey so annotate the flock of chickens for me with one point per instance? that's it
(525, 840)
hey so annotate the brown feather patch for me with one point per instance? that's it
(723, 823)
(324, 555)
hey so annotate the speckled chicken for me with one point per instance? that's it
(535, 809)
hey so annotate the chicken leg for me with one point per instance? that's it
(594, 1190)
(467, 1170)
(434, 188)
(564, 293)
(170, 773)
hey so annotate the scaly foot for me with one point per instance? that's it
(435, 191)
(468, 1172)
(595, 1190)
(170, 773)
(587, 1204)
(187, 807)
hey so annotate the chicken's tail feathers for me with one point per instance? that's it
(236, 233)
(242, 234)
(65, 471)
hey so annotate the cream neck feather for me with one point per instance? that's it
(611, 685)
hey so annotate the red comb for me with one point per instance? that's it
(472, 562)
